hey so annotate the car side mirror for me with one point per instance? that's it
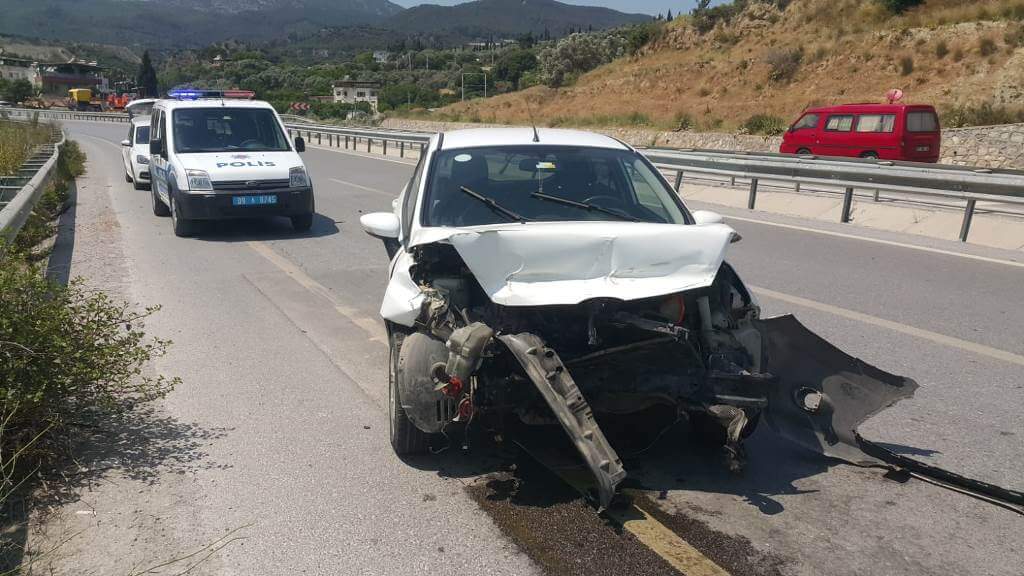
(125, 143)
(300, 144)
(156, 146)
(705, 217)
(385, 226)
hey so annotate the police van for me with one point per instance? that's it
(216, 155)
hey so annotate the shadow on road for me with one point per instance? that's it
(278, 228)
(58, 268)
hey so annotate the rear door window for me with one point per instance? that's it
(876, 123)
(922, 121)
(840, 123)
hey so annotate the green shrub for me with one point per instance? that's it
(984, 114)
(683, 121)
(784, 64)
(941, 49)
(906, 65)
(986, 46)
(899, 6)
(764, 124)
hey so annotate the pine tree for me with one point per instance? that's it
(669, 17)
(146, 78)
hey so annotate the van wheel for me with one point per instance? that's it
(803, 151)
(182, 228)
(405, 437)
(159, 208)
(302, 222)
(127, 178)
(870, 155)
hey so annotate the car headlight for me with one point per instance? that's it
(142, 159)
(198, 180)
(297, 177)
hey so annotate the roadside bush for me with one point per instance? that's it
(941, 49)
(906, 65)
(1014, 36)
(784, 64)
(986, 46)
(765, 124)
(576, 54)
(984, 114)
(17, 140)
(683, 121)
(899, 6)
(39, 225)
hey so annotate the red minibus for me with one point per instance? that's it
(887, 131)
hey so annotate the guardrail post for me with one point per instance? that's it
(876, 195)
(346, 142)
(422, 148)
(797, 187)
(732, 180)
(369, 142)
(847, 204)
(679, 180)
(319, 138)
(385, 147)
(753, 194)
(401, 149)
(965, 228)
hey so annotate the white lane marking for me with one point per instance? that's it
(104, 140)
(879, 241)
(360, 154)
(367, 188)
(935, 337)
(373, 327)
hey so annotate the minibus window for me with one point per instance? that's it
(876, 123)
(806, 121)
(923, 121)
(839, 123)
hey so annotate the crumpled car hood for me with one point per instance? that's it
(568, 263)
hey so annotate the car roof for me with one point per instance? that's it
(477, 137)
(869, 107)
(213, 103)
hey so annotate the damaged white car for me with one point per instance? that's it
(550, 277)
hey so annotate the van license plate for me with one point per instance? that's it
(260, 200)
(923, 148)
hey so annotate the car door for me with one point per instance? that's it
(803, 134)
(158, 161)
(836, 135)
(126, 151)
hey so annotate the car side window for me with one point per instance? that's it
(806, 121)
(411, 193)
(876, 122)
(839, 123)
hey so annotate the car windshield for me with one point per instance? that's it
(142, 135)
(489, 185)
(226, 129)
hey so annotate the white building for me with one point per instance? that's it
(19, 69)
(352, 91)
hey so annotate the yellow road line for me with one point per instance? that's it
(935, 337)
(679, 553)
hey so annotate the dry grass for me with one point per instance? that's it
(17, 140)
(718, 85)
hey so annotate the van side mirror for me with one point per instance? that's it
(156, 146)
(300, 144)
(125, 143)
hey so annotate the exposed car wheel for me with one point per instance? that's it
(159, 208)
(182, 228)
(138, 185)
(127, 177)
(870, 155)
(406, 438)
(302, 222)
(803, 151)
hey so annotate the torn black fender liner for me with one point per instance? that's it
(823, 394)
(554, 383)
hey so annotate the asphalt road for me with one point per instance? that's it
(281, 351)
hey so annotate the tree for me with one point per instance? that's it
(16, 91)
(146, 78)
(668, 18)
(513, 63)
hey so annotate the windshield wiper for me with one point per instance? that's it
(584, 206)
(493, 205)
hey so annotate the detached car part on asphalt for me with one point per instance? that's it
(547, 278)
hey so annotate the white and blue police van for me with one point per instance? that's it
(216, 155)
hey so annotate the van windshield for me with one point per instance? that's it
(227, 129)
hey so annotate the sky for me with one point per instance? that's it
(642, 6)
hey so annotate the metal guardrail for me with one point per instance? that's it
(964, 183)
(19, 193)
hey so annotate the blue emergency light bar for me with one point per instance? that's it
(197, 93)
